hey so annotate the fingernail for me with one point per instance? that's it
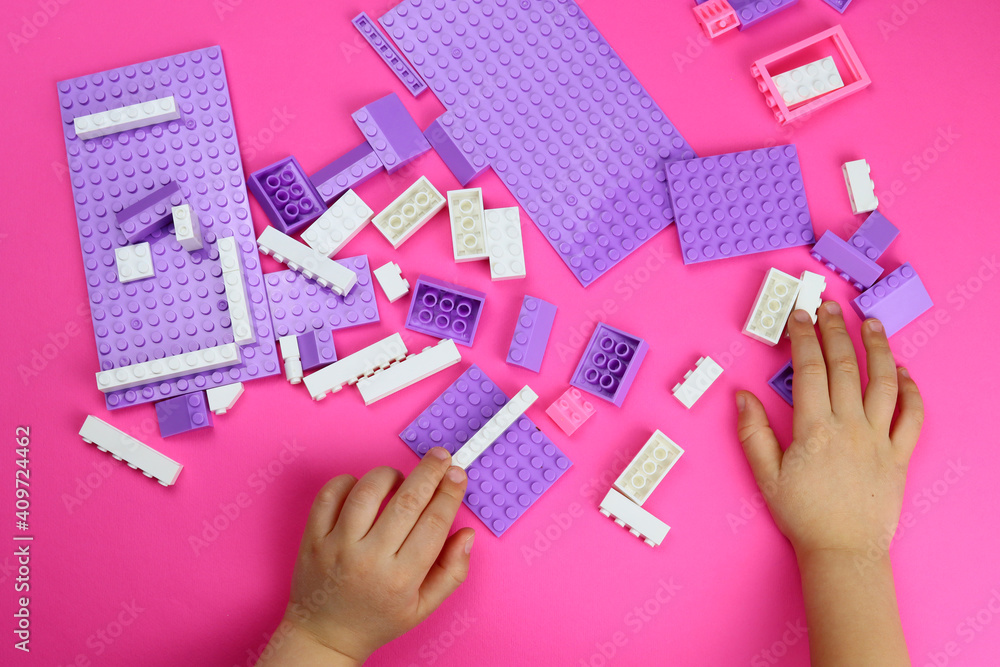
(440, 453)
(456, 474)
(905, 373)
(741, 401)
(832, 307)
(875, 326)
(801, 316)
(468, 544)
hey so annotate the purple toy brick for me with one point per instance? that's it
(346, 172)
(531, 335)
(316, 349)
(391, 131)
(389, 53)
(149, 213)
(184, 307)
(299, 305)
(752, 12)
(782, 382)
(445, 310)
(874, 236)
(610, 363)
(739, 203)
(446, 136)
(288, 198)
(181, 414)
(846, 261)
(512, 473)
(896, 300)
(538, 90)
(839, 5)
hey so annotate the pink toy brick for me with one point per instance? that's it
(571, 410)
(716, 17)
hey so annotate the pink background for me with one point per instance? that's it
(295, 75)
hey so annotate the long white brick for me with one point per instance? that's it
(697, 381)
(491, 430)
(168, 368)
(810, 297)
(638, 521)
(124, 447)
(504, 243)
(307, 261)
(411, 370)
(108, 122)
(350, 369)
(239, 308)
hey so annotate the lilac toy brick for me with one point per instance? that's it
(512, 473)
(839, 5)
(874, 236)
(181, 414)
(445, 310)
(346, 172)
(151, 212)
(841, 257)
(739, 203)
(782, 382)
(184, 308)
(454, 147)
(531, 335)
(288, 198)
(610, 363)
(752, 12)
(896, 300)
(541, 94)
(389, 53)
(316, 349)
(391, 131)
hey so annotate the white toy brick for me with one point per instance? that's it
(134, 262)
(391, 279)
(135, 454)
(143, 114)
(468, 234)
(239, 308)
(187, 229)
(307, 261)
(222, 399)
(772, 307)
(860, 186)
(411, 370)
(230, 258)
(491, 430)
(409, 212)
(348, 370)
(697, 381)
(338, 225)
(289, 346)
(810, 297)
(641, 477)
(638, 521)
(504, 243)
(808, 81)
(168, 368)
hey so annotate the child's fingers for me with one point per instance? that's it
(759, 444)
(423, 544)
(810, 390)
(841, 361)
(880, 394)
(362, 503)
(327, 505)
(448, 572)
(906, 430)
(408, 503)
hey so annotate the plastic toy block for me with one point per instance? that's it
(288, 198)
(610, 363)
(739, 203)
(445, 310)
(338, 225)
(181, 414)
(316, 349)
(158, 370)
(504, 244)
(133, 116)
(145, 216)
(356, 366)
(187, 229)
(752, 12)
(536, 90)
(222, 399)
(641, 477)
(468, 235)
(782, 382)
(238, 307)
(346, 172)
(772, 307)
(716, 17)
(808, 81)
(303, 259)
(409, 212)
(531, 334)
(389, 53)
(845, 260)
(230, 256)
(390, 277)
(570, 410)
(874, 236)
(810, 297)
(696, 382)
(638, 521)
(453, 145)
(125, 448)
(860, 186)
(391, 131)
(504, 418)
(839, 5)
(513, 472)
(896, 300)
(409, 371)
(289, 346)
(134, 262)
(831, 42)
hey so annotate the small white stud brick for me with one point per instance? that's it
(391, 279)
(409, 212)
(222, 399)
(811, 286)
(808, 81)
(504, 243)
(696, 382)
(411, 370)
(104, 123)
(135, 454)
(168, 368)
(239, 308)
(636, 520)
(187, 229)
(134, 262)
(860, 186)
(772, 307)
(468, 235)
(491, 430)
(338, 225)
(641, 477)
(348, 370)
(229, 254)
(307, 261)
(290, 354)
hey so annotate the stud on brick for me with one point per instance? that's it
(346, 172)
(782, 382)
(846, 260)
(338, 225)
(808, 81)
(462, 156)
(504, 243)
(410, 211)
(772, 307)
(150, 212)
(126, 118)
(896, 300)
(290, 354)
(355, 366)
(168, 368)
(187, 229)
(445, 310)
(134, 262)
(491, 430)
(697, 381)
(222, 399)
(391, 131)
(181, 414)
(531, 333)
(716, 17)
(288, 197)
(468, 234)
(645, 472)
(610, 363)
(571, 410)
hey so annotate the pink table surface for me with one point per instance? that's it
(114, 579)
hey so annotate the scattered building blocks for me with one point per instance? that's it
(571, 410)
(696, 382)
(531, 334)
(356, 366)
(453, 145)
(149, 213)
(772, 307)
(896, 300)
(135, 454)
(610, 363)
(638, 521)
(133, 116)
(338, 225)
(159, 370)
(222, 399)
(641, 477)
(303, 259)
(504, 418)
(782, 382)
(409, 371)
(181, 414)
(716, 17)
(808, 81)
(860, 187)
(847, 262)
(739, 203)
(445, 310)
(810, 296)
(391, 131)
(409, 212)
(289, 346)
(839, 5)
(316, 349)
(874, 236)
(287, 196)
(504, 243)
(134, 262)
(187, 228)
(389, 53)
(468, 235)
(346, 172)
(390, 277)
(752, 12)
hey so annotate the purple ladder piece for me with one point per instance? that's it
(531, 335)
(185, 307)
(575, 138)
(896, 300)
(839, 5)
(874, 236)
(512, 473)
(150, 212)
(391, 131)
(346, 172)
(841, 257)
(389, 53)
(782, 382)
(316, 349)
(445, 310)
(610, 363)
(752, 12)
(446, 137)
(288, 198)
(739, 203)
(181, 414)
(299, 305)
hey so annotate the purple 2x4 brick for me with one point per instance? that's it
(185, 307)
(896, 300)
(537, 90)
(391, 131)
(874, 236)
(288, 198)
(445, 310)
(531, 335)
(149, 213)
(389, 53)
(512, 473)
(348, 171)
(843, 258)
(610, 363)
(465, 164)
(181, 414)
(782, 382)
